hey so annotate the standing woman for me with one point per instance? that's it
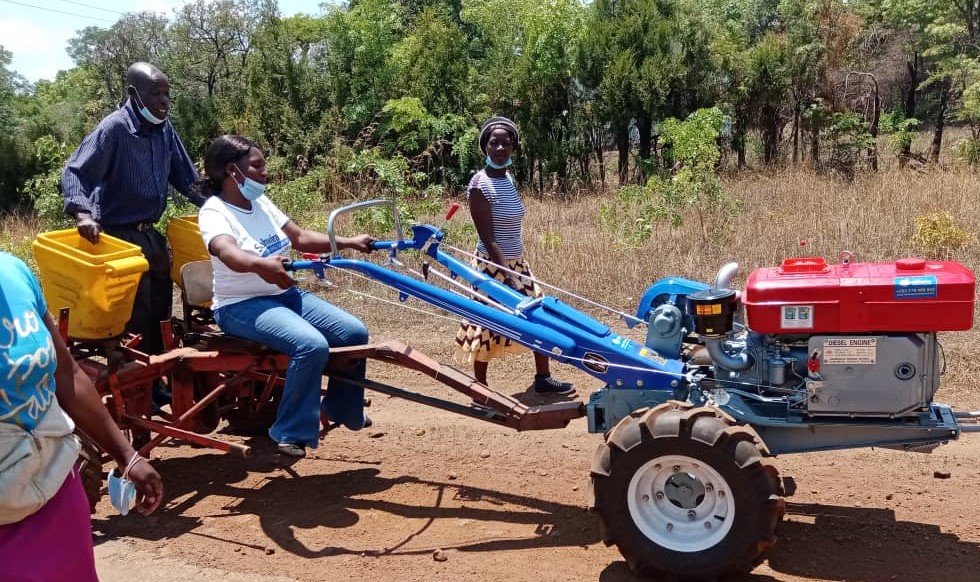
(498, 214)
(255, 298)
(45, 526)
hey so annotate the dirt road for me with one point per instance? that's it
(424, 495)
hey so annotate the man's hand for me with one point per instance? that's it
(272, 271)
(361, 242)
(87, 227)
(149, 487)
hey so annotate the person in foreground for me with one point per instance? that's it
(117, 182)
(255, 298)
(498, 214)
(45, 527)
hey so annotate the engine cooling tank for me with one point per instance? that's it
(713, 310)
(808, 295)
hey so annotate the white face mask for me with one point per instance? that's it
(145, 112)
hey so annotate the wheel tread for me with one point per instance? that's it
(706, 426)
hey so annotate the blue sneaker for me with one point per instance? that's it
(545, 384)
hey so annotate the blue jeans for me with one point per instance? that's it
(303, 326)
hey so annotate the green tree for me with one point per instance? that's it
(819, 33)
(288, 102)
(767, 82)
(360, 41)
(16, 164)
(108, 52)
(431, 63)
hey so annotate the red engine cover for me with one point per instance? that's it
(807, 295)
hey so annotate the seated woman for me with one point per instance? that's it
(255, 298)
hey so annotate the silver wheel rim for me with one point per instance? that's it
(681, 504)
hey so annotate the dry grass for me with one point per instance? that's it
(873, 217)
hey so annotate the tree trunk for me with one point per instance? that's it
(796, 133)
(623, 146)
(770, 135)
(600, 161)
(937, 133)
(873, 130)
(643, 125)
(738, 140)
(912, 66)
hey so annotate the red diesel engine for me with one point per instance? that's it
(851, 339)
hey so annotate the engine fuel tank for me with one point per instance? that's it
(808, 295)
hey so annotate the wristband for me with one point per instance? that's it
(132, 463)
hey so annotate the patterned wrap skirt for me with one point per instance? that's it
(477, 344)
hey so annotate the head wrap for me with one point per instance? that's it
(497, 123)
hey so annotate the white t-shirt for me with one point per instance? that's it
(257, 231)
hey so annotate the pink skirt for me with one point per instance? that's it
(54, 544)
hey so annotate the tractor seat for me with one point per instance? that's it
(197, 293)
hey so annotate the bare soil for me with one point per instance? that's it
(427, 495)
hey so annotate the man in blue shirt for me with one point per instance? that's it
(118, 180)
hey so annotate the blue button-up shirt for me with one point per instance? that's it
(120, 172)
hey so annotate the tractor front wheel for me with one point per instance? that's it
(685, 493)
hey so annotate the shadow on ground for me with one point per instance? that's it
(820, 542)
(286, 501)
(829, 542)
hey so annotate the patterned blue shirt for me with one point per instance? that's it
(121, 171)
(27, 356)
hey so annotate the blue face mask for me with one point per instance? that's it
(506, 164)
(122, 493)
(250, 189)
(147, 115)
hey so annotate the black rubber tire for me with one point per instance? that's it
(712, 438)
(90, 469)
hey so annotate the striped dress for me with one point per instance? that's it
(473, 342)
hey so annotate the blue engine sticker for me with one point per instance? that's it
(916, 287)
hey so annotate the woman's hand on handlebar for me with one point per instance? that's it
(361, 242)
(272, 270)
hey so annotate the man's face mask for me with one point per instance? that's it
(145, 112)
(122, 493)
(250, 189)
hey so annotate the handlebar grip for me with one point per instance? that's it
(297, 265)
(452, 210)
(383, 245)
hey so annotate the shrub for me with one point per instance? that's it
(938, 235)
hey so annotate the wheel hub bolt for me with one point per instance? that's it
(657, 466)
(670, 527)
(721, 494)
(646, 498)
(707, 525)
(660, 495)
(677, 468)
(709, 488)
(691, 515)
